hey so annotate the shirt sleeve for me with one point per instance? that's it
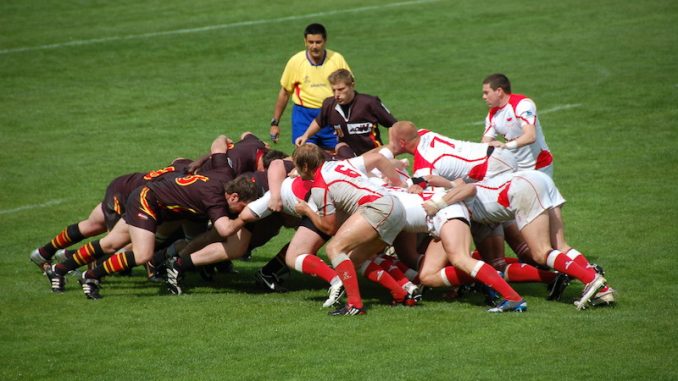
(288, 80)
(526, 111)
(383, 114)
(489, 129)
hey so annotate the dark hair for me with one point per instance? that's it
(315, 28)
(498, 80)
(272, 155)
(246, 189)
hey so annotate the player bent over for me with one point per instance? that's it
(532, 199)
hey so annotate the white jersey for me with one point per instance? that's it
(340, 185)
(453, 159)
(508, 121)
(292, 190)
(521, 196)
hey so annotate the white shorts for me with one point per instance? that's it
(530, 194)
(386, 215)
(435, 223)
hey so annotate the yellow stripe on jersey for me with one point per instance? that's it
(308, 83)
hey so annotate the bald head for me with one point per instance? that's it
(403, 137)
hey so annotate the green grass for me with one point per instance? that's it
(72, 117)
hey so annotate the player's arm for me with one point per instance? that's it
(312, 129)
(327, 223)
(457, 194)
(226, 227)
(276, 174)
(384, 165)
(280, 104)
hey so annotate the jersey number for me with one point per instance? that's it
(153, 174)
(347, 171)
(435, 138)
(188, 180)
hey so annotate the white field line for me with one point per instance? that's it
(547, 111)
(210, 27)
(34, 206)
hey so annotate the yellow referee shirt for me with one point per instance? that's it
(308, 82)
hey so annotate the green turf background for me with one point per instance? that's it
(90, 90)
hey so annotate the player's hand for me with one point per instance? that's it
(300, 140)
(301, 207)
(275, 204)
(430, 207)
(497, 144)
(416, 189)
(274, 133)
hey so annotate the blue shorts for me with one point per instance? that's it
(302, 118)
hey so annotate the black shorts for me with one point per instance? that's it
(308, 224)
(143, 210)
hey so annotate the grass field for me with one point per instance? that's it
(90, 90)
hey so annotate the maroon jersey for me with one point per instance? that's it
(193, 196)
(243, 156)
(121, 187)
(357, 124)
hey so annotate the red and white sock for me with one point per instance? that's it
(452, 276)
(522, 272)
(346, 271)
(489, 276)
(375, 273)
(314, 266)
(562, 263)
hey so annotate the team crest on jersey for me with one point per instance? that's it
(359, 128)
(338, 131)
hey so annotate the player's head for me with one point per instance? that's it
(239, 192)
(315, 37)
(316, 28)
(496, 89)
(403, 137)
(272, 155)
(343, 86)
(307, 159)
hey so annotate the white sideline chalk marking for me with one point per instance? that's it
(209, 27)
(547, 111)
(34, 206)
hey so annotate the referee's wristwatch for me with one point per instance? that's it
(274, 122)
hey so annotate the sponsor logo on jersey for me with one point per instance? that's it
(359, 128)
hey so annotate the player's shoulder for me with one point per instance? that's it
(520, 100)
(297, 59)
(335, 58)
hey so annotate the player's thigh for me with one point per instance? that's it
(434, 260)
(236, 245)
(143, 243)
(538, 237)
(557, 229)
(94, 224)
(304, 241)
(456, 238)
(352, 233)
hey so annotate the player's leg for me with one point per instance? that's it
(606, 294)
(116, 239)
(352, 233)
(456, 239)
(72, 234)
(537, 233)
(233, 247)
